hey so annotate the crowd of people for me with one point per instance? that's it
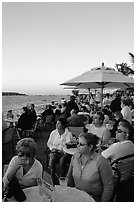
(89, 169)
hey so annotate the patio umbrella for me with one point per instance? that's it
(101, 77)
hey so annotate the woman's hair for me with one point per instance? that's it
(91, 139)
(63, 121)
(118, 114)
(27, 143)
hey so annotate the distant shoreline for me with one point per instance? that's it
(19, 94)
(12, 94)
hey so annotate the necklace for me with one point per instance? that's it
(83, 161)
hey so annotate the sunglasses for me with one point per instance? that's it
(80, 144)
(120, 131)
(22, 154)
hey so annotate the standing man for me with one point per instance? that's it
(71, 105)
(116, 104)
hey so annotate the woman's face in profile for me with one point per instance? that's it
(59, 125)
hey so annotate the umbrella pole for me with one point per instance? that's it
(89, 95)
(102, 96)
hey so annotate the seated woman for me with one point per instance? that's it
(124, 145)
(57, 140)
(99, 128)
(89, 171)
(24, 167)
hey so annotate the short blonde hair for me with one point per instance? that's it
(27, 143)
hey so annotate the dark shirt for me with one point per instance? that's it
(115, 105)
(47, 112)
(24, 122)
(71, 105)
(33, 116)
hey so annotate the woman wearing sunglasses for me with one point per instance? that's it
(24, 168)
(90, 171)
(124, 145)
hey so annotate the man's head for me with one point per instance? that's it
(73, 111)
(72, 98)
(125, 131)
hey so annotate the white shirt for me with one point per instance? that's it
(58, 141)
(118, 150)
(126, 112)
(30, 178)
(102, 132)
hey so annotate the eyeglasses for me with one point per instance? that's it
(95, 118)
(80, 144)
(120, 131)
(22, 154)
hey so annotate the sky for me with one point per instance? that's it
(47, 43)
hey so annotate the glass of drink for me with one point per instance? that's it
(63, 181)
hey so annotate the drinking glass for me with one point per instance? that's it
(63, 181)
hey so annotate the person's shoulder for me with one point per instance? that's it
(67, 131)
(54, 131)
(91, 125)
(101, 159)
(14, 159)
(38, 163)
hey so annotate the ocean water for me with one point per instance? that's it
(17, 102)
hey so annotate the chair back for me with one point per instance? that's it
(76, 131)
(125, 165)
(7, 135)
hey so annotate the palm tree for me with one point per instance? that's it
(132, 57)
(125, 68)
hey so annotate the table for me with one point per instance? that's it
(68, 194)
(32, 195)
(60, 194)
(70, 150)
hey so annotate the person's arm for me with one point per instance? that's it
(39, 172)
(70, 175)
(107, 179)
(13, 167)
(50, 141)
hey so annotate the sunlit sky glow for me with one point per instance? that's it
(47, 43)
